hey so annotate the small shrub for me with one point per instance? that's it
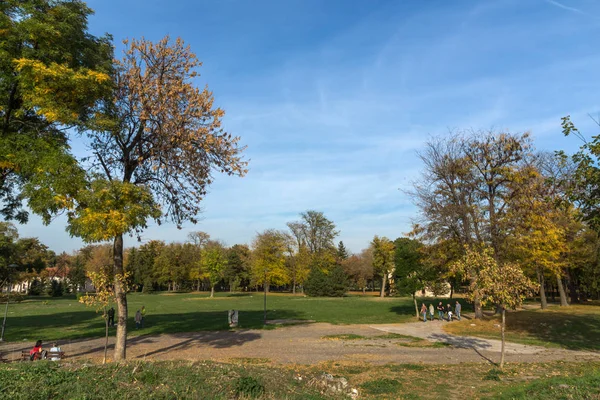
(493, 375)
(249, 386)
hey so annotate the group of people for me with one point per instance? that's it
(139, 317)
(444, 313)
(38, 353)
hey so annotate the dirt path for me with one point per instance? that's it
(304, 344)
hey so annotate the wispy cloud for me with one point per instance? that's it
(565, 7)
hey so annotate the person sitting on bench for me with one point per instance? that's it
(37, 353)
(55, 350)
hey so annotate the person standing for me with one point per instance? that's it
(449, 312)
(440, 309)
(111, 317)
(143, 312)
(457, 310)
(431, 311)
(424, 312)
(138, 319)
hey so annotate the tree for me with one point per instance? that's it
(410, 272)
(315, 231)
(537, 240)
(333, 283)
(173, 263)
(359, 268)
(342, 252)
(77, 274)
(298, 265)
(104, 294)
(8, 249)
(154, 146)
(52, 73)
(214, 262)
(268, 258)
(503, 285)
(583, 190)
(237, 271)
(383, 259)
(200, 240)
(466, 190)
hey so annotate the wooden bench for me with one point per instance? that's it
(49, 355)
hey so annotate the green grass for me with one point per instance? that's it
(398, 339)
(210, 380)
(381, 386)
(66, 319)
(576, 327)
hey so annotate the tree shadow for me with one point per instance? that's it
(183, 341)
(462, 342)
(570, 331)
(403, 309)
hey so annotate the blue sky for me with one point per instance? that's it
(334, 97)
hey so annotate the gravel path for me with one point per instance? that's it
(304, 344)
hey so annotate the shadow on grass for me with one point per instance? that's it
(85, 324)
(570, 331)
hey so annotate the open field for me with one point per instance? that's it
(253, 379)
(65, 318)
(576, 327)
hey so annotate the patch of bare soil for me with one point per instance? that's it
(304, 344)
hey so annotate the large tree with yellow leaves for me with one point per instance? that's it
(52, 74)
(154, 147)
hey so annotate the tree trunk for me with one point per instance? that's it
(416, 308)
(561, 291)
(383, 279)
(121, 298)
(294, 286)
(198, 285)
(477, 305)
(503, 328)
(212, 291)
(106, 336)
(364, 290)
(573, 290)
(543, 301)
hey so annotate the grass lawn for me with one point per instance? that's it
(576, 327)
(65, 318)
(208, 380)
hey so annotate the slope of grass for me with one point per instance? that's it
(576, 327)
(208, 380)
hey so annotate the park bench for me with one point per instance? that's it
(49, 355)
